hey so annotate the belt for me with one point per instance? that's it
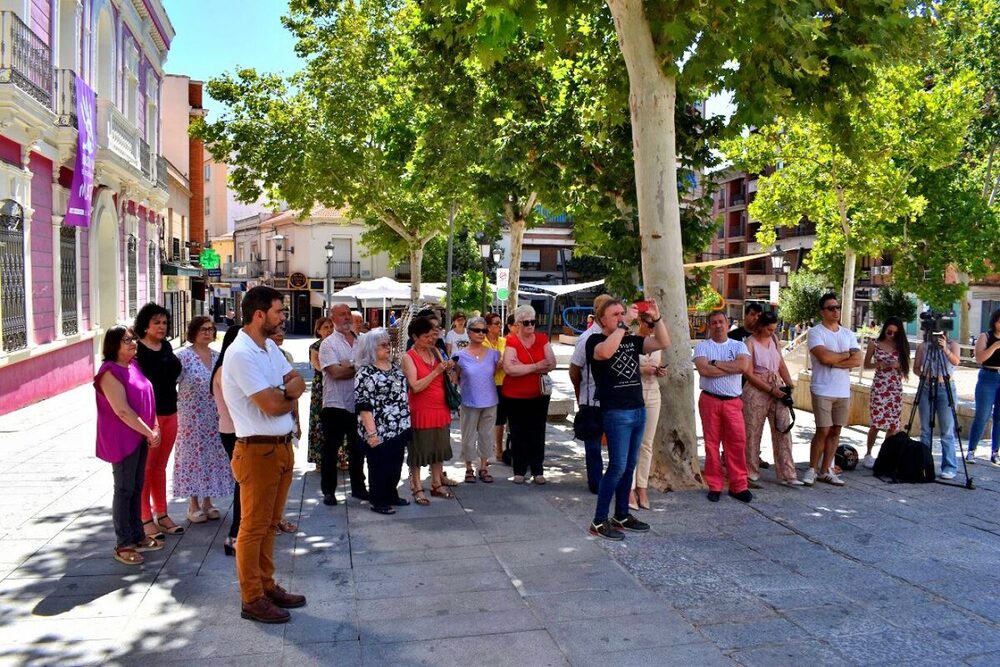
(719, 396)
(991, 370)
(266, 439)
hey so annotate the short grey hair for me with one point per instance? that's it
(476, 321)
(368, 346)
(524, 313)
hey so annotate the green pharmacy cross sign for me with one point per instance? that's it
(209, 259)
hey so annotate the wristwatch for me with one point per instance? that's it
(712, 362)
(284, 392)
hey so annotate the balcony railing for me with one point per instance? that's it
(738, 200)
(116, 134)
(403, 270)
(25, 60)
(281, 268)
(64, 102)
(251, 269)
(161, 171)
(353, 269)
(144, 160)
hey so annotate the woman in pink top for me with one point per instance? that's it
(762, 396)
(126, 429)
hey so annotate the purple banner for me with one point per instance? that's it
(82, 191)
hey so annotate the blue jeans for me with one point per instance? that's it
(987, 403)
(624, 430)
(595, 463)
(945, 423)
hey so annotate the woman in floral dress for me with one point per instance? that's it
(201, 467)
(322, 329)
(889, 355)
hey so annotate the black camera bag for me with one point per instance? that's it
(904, 460)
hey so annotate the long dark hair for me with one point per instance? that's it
(993, 321)
(900, 341)
(227, 340)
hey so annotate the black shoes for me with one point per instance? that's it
(713, 496)
(361, 495)
(743, 496)
(605, 530)
(382, 510)
(329, 499)
(630, 523)
(400, 502)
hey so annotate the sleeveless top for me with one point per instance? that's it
(525, 386)
(765, 359)
(428, 408)
(994, 360)
(116, 439)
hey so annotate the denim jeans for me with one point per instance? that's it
(595, 463)
(125, 513)
(945, 423)
(624, 430)
(987, 403)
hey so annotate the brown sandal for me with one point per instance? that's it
(419, 497)
(149, 544)
(128, 556)
(485, 476)
(470, 476)
(447, 481)
(441, 491)
(172, 529)
(285, 526)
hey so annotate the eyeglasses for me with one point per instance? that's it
(129, 340)
(207, 329)
(528, 323)
(832, 308)
(479, 331)
(386, 345)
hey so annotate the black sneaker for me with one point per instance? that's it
(329, 499)
(743, 496)
(713, 496)
(605, 530)
(630, 523)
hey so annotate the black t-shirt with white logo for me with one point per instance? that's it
(619, 385)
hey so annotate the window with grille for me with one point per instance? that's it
(13, 309)
(132, 270)
(151, 271)
(67, 279)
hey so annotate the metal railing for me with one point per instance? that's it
(352, 269)
(161, 171)
(116, 134)
(13, 287)
(251, 269)
(67, 279)
(145, 162)
(25, 60)
(64, 100)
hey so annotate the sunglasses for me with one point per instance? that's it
(528, 323)
(832, 308)
(479, 331)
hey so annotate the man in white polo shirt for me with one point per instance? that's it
(261, 389)
(721, 362)
(834, 350)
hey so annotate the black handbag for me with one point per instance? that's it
(588, 424)
(452, 395)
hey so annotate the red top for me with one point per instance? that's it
(525, 386)
(428, 409)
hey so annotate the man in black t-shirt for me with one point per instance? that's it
(749, 325)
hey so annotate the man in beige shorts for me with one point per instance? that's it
(834, 350)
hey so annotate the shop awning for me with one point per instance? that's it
(726, 261)
(171, 269)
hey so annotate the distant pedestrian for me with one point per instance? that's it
(721, 363)
(889, 355)
(227, 434)
(987, 353)
(589, 422)
(126, 429)
(261, 389)
(751, 314)
(457, 338)
(650, 370)
(322, 328)
(476, 368)
(430, 417)
(201, 467)
(380, 398)
(160, 365)
(527, 358)
(358, 325)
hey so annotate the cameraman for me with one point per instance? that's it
(944, 418)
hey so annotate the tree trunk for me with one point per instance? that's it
(416, 260)
(652, 97)
(847, 298)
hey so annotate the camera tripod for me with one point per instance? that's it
(934, 373)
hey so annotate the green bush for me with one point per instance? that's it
(893, 302)
(799, 302)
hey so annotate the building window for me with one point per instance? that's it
(151, 272)
(132, 271)
(175, 249)
(13, 311)
(207, 206)
(208, 173)
(67, 279)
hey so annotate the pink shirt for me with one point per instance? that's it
(765, 359)
(115, 439)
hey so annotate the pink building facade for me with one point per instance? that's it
(62, 287)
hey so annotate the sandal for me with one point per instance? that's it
(149, 544)
(156, 534)
(441, 491)
(485, 476)
(128, 556)
(211, 513)
(172, 529)
(447, 481)
(285, 526)
(470, 476)
(419, 497)
(197, 516)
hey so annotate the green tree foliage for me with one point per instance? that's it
(799, 302)
(894, 302)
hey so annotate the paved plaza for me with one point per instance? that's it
(503, 575)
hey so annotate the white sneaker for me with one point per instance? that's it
(830, 478)
(970, 458)
(947, 475)
(793, 482)
(809, 478)
(869, 461)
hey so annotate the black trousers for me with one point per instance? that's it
(526, 420)
(385, 468)
(337, 425)
(229, 444)
(129, 474)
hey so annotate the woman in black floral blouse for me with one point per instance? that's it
(380, 393)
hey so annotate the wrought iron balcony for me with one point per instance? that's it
(144, 160)
(64, 101)
(243, 270)
(116, 133)
(25, 60)
(161, 171)
(347, 269)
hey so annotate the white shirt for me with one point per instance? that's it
(334, 349)
(457, 341)
(827, 381)
(579, 359)
(726, 385)
(248, 369)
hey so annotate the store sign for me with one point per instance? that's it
(209, 259)
(297, 280)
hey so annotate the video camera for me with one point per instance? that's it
(937, 322)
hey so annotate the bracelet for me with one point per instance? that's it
(656, 320)
(368, 435)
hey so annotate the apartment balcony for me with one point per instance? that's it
(161, 171)
(25, 60)
(243, 270)
(353, 269)
(116, 134)
(738, 200)
(64, 100)
(145, 161)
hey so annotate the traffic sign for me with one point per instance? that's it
(503, 284)
(503, 293)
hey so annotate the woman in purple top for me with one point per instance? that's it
(126, 429)
(476, 366)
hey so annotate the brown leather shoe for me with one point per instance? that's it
(264, 611)
(282, 598)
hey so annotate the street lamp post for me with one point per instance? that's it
(329, 277)
(485, 249)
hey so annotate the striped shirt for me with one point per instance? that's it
(727, 385)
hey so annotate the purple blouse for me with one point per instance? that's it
(116, 439)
